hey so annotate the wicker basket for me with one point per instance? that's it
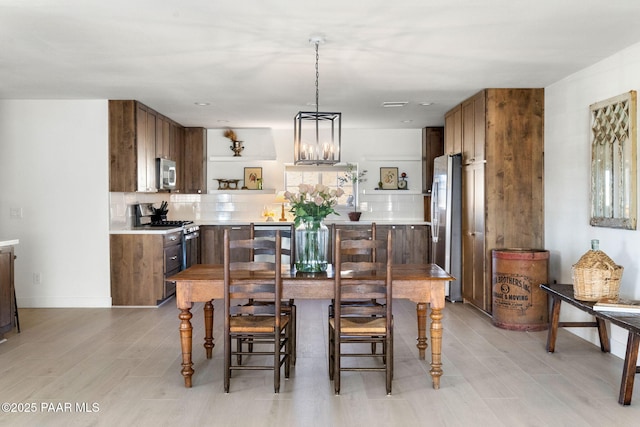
(596, 276)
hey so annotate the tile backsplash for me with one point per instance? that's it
(249, 207)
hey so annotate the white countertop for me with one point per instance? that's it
(328, 222)
(144, 230)
(8, 242)
(156, 230)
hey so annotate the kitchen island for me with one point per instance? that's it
(411, 239)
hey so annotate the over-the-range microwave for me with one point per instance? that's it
(166, 172)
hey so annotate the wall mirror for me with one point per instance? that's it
(613, 162)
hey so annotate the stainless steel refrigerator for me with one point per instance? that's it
(446, 220)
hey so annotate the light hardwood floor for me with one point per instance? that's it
(127, 361)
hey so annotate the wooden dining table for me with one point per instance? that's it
(423, 284)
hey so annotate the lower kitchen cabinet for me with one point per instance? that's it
(7, 307)
(410, 243)
(140, 265)
(211, 242)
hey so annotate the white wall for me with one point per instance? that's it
(567, 178)
(54, 166)
(370, 149)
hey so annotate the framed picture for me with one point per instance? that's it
(253, 178)
(389, 178)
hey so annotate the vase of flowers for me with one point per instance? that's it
(310, 206)
(352, 176)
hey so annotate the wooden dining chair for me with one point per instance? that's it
(356, 324)
(357, 254)
(355, 234)
(287, 252)
(263, 324)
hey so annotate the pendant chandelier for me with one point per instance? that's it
(317, 134)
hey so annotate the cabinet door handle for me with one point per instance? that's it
(173, 258)
(173, 238)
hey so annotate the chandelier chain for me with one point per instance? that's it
(317, 78)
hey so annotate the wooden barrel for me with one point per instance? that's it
(518, 302)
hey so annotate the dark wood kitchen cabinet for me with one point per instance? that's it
(7, 307)
(140, 265)
(194, 161)
(132, 149)
(137, 136)
(432, 147)
(502, 181)
(453, 131)
(410, 243)
(211, 242)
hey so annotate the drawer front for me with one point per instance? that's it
(173, 238)
(170, 286)
(172, 255)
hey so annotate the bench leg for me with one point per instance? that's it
(629, 371)
(604, 337)
(553, 327)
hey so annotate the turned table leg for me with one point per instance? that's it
(186, 342)
(436, 346)
(208, 328)
(421, 315)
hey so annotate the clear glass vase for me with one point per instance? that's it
(312, 247)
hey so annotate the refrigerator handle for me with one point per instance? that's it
(435, 214)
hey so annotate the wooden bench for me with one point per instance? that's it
(628, 321)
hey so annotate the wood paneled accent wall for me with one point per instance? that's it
(502, 148)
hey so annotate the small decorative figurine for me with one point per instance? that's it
(402, 183)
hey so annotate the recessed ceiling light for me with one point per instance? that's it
(390, 104)
(222, 121)
(202, 104)
(426, 104)
(406, 121)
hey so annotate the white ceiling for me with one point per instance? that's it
(251, 60)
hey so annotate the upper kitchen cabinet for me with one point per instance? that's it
(473, 129)
(432, 147)
(137, 136)
(168, 138)
(453, 131)
(194, 161)
(132, 147)
(502, 181)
